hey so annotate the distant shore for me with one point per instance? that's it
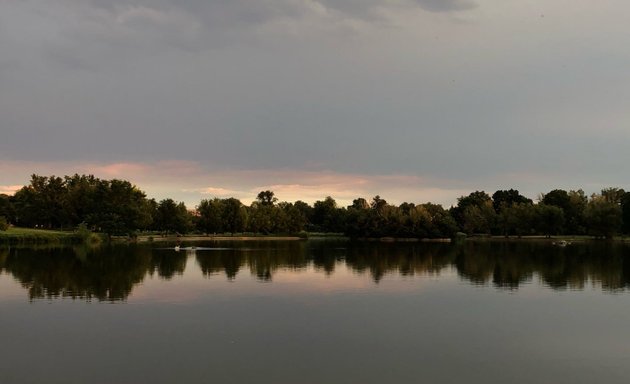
(27, 236)
(173, 239)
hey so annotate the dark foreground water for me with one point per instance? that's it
(317, 312)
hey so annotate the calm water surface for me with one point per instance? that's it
(317, 312)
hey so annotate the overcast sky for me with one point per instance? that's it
(415, 100)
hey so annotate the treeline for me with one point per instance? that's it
(117, 207)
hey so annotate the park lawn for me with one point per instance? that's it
(16, 235)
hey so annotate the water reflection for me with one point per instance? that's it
(508, 265)
(168, 264)
(105, 275)
(110, 273)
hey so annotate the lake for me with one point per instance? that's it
(317, 311)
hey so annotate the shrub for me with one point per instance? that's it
(83, 231)
(88, 237)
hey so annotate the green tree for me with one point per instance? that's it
(442, 223)
(294, 218)
(478, 199)
(325, 216)
(479, 218)
(120, 208)
(572, 204)
(6, 207)
(306, 211)
(234, 215)
(41, 203)
(261, 218)
(173, 217)
(625, 212)
(360, 203)
(210, 216)
(357, 219)
(80, 198)
(548, 219)
(420, 222)
(517, 219)
(507, 198)
(266, 198)
(4, 224)
(575, 212)
(613, 195)
(603, 217)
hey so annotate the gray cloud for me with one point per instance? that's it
(363, 7)
(242, 15)
(83, 34)
(446, 5)
(325, 85)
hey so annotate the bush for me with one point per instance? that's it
(87, 236)
(94, 239)
(4, 224)
(83, 231)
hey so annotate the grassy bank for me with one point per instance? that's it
(21, 236)
(245, 236)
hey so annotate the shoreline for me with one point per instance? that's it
(160, 239)
(27, 236)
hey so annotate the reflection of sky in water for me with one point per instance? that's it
(192, 285)
(306, 326)
(9, 288)
(286, 268)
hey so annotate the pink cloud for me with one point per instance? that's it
(9, 189)
(190, 182)
(118, 170)
(213, 191)
(311, 186)
(145, 171)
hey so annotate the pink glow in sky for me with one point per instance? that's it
(413, 100)
(189, 182)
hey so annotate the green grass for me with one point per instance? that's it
(14, 236)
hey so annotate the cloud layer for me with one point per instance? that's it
(484, 94)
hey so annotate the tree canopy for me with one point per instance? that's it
(117, 207)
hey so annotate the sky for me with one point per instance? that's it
(413, 100)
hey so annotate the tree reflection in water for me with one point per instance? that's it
(105, 274)
(111, 273)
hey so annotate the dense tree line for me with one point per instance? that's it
(117, 207)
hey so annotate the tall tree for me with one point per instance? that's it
(266, 198)
(234, 215)
(506, 198)
(260, 218)
(549, 219)
(517, 219)
(6, 208)
(478, 199)
(294, 218)
(625, 212)
(360, 203)
(613, 195)
(210, 216)
(326, 216)
(479, 219)
(173, 217)
(603, 217)
(572, 204)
